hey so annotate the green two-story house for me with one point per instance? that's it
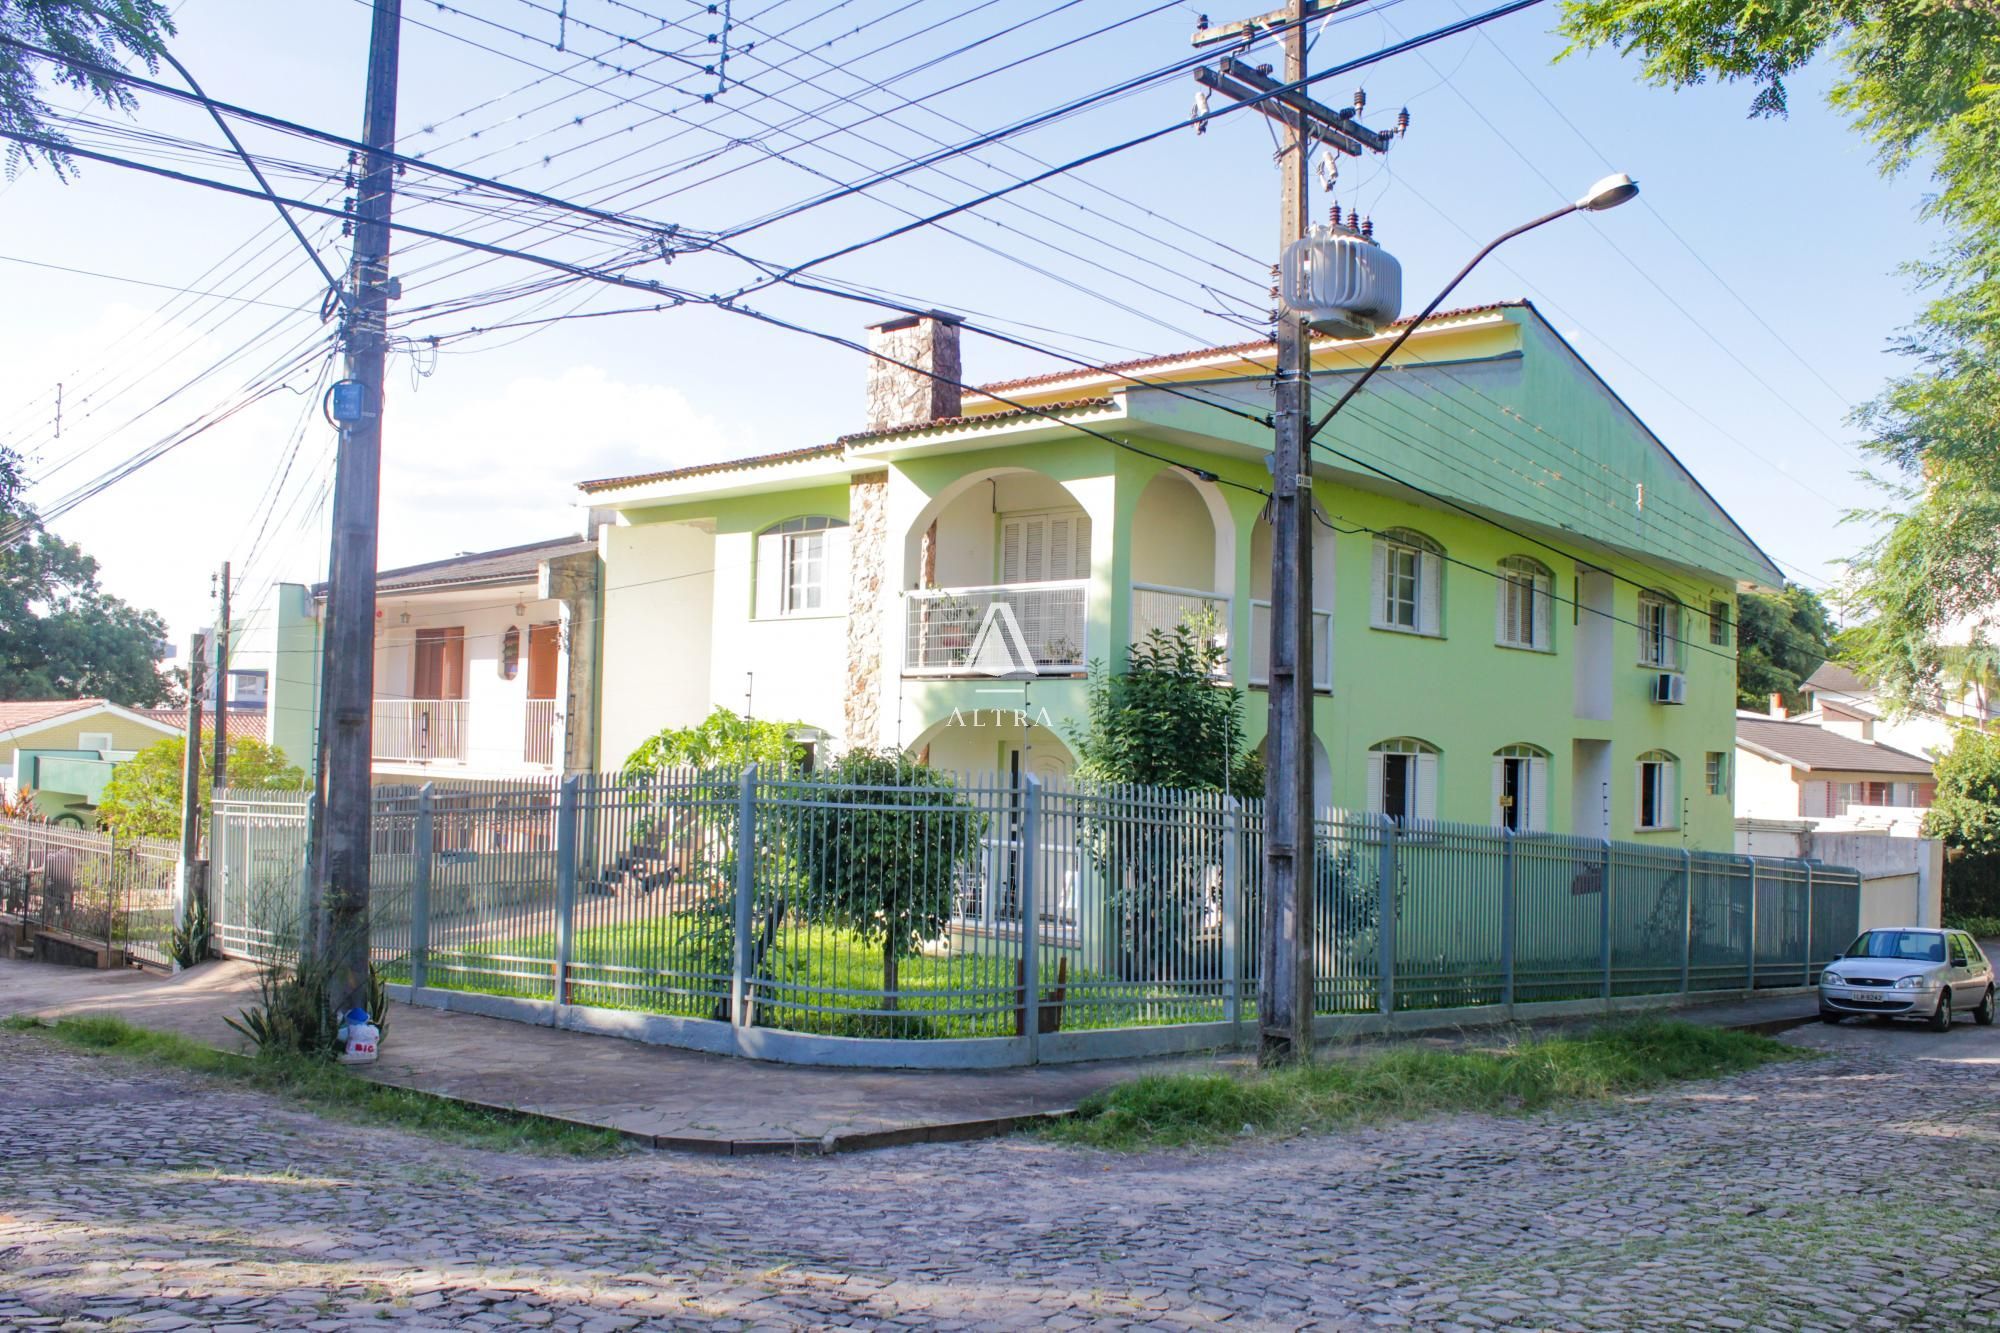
(1524, 601)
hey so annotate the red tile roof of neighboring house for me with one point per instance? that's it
(241, 724)
(838, 446)
(18, 713)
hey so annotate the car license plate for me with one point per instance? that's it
(1868, 996)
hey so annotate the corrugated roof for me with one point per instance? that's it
(1804, 745)
(507, 564)
(242, 723)
(1201, 353)
(18, 713)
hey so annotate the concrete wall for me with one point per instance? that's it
(1765, 788)
(1902, 879)
(659, 616)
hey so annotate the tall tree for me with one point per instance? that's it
(100, 32)
(1920, 80)
(62, 636)
(1780, 640)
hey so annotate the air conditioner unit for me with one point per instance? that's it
(1670, 687)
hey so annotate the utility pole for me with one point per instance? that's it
(343, 796)
(191, 773)
(1285, 987)
(221, 759)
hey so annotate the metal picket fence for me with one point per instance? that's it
(932, 906)
(92, 886)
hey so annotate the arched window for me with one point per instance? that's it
(1658, 794)
(1659, 631)
(1407, 583)
(1402, 779)
(1521, 788)
(1526, 595)
(800, 567)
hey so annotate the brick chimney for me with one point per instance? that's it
(1778, 706)
(902, 395)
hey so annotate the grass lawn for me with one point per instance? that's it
(1175, 1110)
(325, 1088)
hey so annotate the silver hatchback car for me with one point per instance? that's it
(1909, 972)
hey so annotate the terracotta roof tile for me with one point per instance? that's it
(16, 713)
(242, 723)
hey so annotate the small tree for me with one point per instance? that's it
(143, 798)
(722, 739)
(882, 850)
(1966, 815)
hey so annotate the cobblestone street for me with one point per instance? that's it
(1857, 1191)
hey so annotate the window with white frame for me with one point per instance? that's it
(1407, 579)
(1718, 773)
(1402, 779)
(1656, 791)
(1521, 788)
(1526, 591)
(1718, 623)
(797, 570)
(1659, 631)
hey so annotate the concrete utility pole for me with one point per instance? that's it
(343, 798)
(221, 760)
(1285, 988)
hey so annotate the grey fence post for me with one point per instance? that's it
(1507, 919)
(746, 886)
(566, 804)
(420, 890)
(1031, 963)
(1604, 916)
(1750, 946)
(1687, 920)
(1232, 909)
(1809, 924)
(1385, 921)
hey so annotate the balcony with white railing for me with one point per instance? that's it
(1260, 646)
(541, 733)
(989, 631)
(1156, 606)
(422, 731)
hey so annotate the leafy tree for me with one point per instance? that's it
(101, 32)
(721, 739)
(1921, 82)
(882, 848)
(1966, 814)
(1780, 640)
(61, 636)
(143, 798)
(1165, 721)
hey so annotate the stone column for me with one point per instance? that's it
(869, 599)
(573, 580)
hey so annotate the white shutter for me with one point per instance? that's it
(1060, 535)
(1378, 583)
(1010, 550)
(1430, 577)
(1670, 794)
(1079, 563)
(1639, 796)
(1538, 796)
(1544, 599)
(1427, 786)
(1374, 783)
(769, 574)
(1499, 791)
(1503, 620)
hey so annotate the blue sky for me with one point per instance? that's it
(1742, 308)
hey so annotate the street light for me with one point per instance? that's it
(1606, 194)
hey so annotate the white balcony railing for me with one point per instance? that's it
(538, 743)
(959, 632)
(1260, 646)
(1158, 607)
(421, 730)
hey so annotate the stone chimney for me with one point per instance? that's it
(1778, 706)
(904, 395)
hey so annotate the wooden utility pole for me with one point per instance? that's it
(343, 796)
(1285, 986)
(221, 747)
(191, 771)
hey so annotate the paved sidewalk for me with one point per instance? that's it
(672, 1098)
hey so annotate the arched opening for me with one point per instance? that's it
(1322, 773)
(1521, 788)
(1403, 779)
(1007, 743)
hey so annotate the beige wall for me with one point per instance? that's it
(1765, 789)
(659, 607)
(65, 733)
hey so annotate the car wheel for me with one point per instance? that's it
(1983, 1015)
(1941, 1020)
(1828, 1016)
